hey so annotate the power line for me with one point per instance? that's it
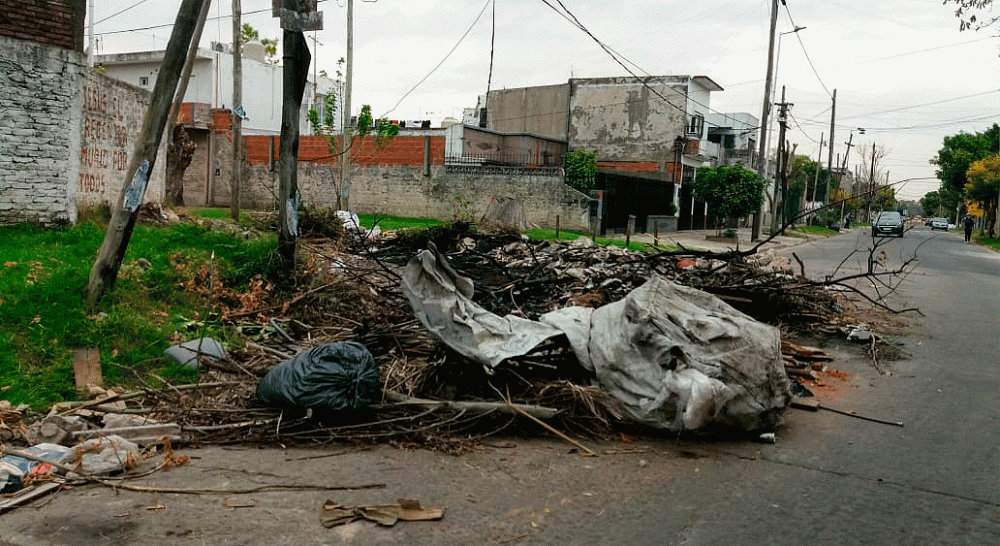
(621, 59)
(806, 53)
(422, 80)
(112, 16)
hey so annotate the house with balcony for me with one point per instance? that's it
(735, 135)
(650, 135)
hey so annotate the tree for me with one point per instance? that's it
(730, 191)
(966, 13)
(957, 154)
(931, 203)
(381, 130)
(580, 167)
(803, 182)
(984, 183)
(249, 34)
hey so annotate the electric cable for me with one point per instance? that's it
(422, 80)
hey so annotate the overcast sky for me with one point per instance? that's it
(901, 68)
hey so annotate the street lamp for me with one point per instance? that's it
(777, 62)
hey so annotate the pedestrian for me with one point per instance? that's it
(967, 223)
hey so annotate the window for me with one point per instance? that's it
(144, 81)
(695, 125)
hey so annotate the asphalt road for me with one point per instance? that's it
(829, 478)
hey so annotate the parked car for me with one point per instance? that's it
(887, 223)
(939, 223)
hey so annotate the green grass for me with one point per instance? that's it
(43, 317)
(992, 243)
(215, 213)
(396, 222)
(544, 234)
(811, 231)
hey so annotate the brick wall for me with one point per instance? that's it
(66, 134)
(449, 192)
(390, 179)
(112, 116)
(56, 23)
(40, 107)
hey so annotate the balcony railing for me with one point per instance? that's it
(507, 159)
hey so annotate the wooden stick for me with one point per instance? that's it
(852, 414)
(539, 412)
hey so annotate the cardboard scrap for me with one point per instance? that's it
(387, 515)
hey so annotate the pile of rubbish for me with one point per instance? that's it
(442, 337)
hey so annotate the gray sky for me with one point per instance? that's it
(901, 68)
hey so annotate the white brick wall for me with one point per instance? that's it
(47, 122)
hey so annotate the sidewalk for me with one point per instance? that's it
(699, 239)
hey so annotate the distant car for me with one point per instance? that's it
(888, 223)
(939, 223)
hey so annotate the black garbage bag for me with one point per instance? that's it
(335, 376)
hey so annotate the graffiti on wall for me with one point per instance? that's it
(104, 151)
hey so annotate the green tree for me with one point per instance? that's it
(984, 183)
(324, 126)
(730, 191)
(931, 203)
(249, 34)
(580, 167)
(803, 182)
(953, 160)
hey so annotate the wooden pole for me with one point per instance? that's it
(126, 209)
(766, 109)
(237, 178)
(345, 141)
(294, 75)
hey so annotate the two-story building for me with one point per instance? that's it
(650, 135)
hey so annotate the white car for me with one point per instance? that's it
(939, 223)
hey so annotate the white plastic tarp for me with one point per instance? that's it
(679, 358)
(676, 358)
(442, 300)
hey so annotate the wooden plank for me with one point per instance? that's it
(87, 367)
(27, 495)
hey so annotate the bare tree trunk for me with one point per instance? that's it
(180, 153)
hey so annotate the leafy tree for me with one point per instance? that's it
(984, 183)
(382, 132)
(730, 191)
(580, 167)
(931, 203)
(250, 34)
(803, 182)
(326, 125)
(957, 154)
(966, 13)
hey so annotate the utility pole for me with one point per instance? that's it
(237, 180)
(345, 140)
(90, 42)
(765, 110)
(819, 160)
(188, 65)
(294, 72)
(871, 182)
(829, 161)
(126, 210)
(779, 204)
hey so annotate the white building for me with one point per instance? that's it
(211, 83)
